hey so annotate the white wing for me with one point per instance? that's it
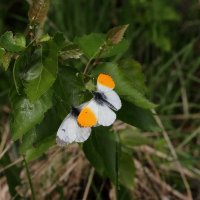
(103, 88)
(66, 133)
(106, 116)
(83, 134)
(113, 98)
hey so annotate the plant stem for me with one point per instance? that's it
(29, 179)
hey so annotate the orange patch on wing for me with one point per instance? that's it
(87, 118)
(106, 80)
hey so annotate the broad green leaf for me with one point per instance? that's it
(42, 136)
(26, 114)
(103, 150)
(5, 58)
(71, 51)
(126, 170)
(138, 117)
(48, 67)
(95, 45)
(36, 152)
(93, 155)
(12, 43)
(124, 86)
(116, 34)
(132, 137)
(132, 70)
(27, 141)
(90, 44)
(69, 90)
(116, 49)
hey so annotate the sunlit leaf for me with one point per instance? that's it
(12, 43)
(71, 51)
(26, 114)
(95, 45)
(5, 58)
(91, 44)
(46, 72)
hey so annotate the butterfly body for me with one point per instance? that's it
(104, 101)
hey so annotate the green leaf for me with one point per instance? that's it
(71, 51)
(46, 72)
(124, 87)
(11, 43)
(132, 137)
(138, 117)
(100, 149)
(113, 50)
(27, 141)
(90, 44)
(42, 136)
(69, 88)
(116, 34)
(26, 114)
(36, 152)
(95, 45)
(132, 70)
(5, 58)
(126, 170)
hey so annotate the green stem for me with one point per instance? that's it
(29, 179)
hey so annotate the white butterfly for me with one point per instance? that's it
(99, 111)
(69, 131)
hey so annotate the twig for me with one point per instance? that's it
(181, 116)
(173, 152)
(29, 178)
(158, 181)
(6, 149)
(189, 138)
(11, 164)
(183, 89)
(88, 184)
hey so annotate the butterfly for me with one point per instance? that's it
(69, 131)
(100, 110)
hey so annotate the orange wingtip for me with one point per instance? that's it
(106, 80)
(87, 118)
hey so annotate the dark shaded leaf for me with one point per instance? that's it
(103, 152)
(69, 89)
(126, 170)
(138, 117)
